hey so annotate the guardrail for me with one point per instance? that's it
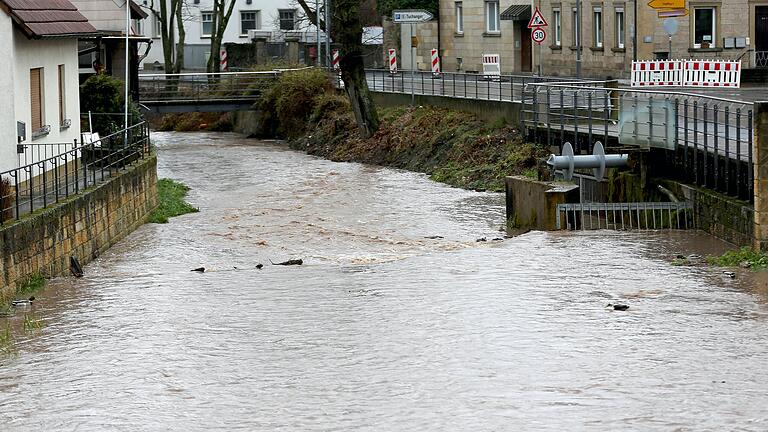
(204, 87)
(47, 181)
(708, 140)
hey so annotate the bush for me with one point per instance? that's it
(290, 101)
(102, 93)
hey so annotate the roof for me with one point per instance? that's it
(47, 18)
(517, 13)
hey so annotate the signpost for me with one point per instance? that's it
(669, 8)
(671, 13)
(670, 25)
(412, 16)
(537, 24)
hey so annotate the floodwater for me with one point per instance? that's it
(382, 329)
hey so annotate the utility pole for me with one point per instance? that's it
(317, 24)
(634, 31)
(328, 33)
(578, 38)
(127, 65)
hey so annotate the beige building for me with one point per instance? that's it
(725, 29)
(470, 29)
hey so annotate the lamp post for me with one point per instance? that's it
(578, 38)
(127, 59)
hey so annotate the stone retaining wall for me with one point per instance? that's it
(83, 226)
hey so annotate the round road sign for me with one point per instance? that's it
(538, 35)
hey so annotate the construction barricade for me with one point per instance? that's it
(686, 73)
(392, 61)
(657, 73)
(491, 67)
(435, 64)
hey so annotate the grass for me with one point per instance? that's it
(744, 257)
(170, 195)
(32, 323)
(32, 285)
(6, 341)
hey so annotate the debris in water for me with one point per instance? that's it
(199, 270)
(74, 267)
(21, 303)
(730, 274)
(498, 239)
(694, 257)
(745, 264)
(434, 237)
(259, 266)
(481, 239)
(618, 307)
(289, 262)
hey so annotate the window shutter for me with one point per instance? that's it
(36, 99)
(62, 100)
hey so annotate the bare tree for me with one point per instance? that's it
(347, 31)
(222, 11)
(170, 15)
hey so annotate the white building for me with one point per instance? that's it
(40, 99)
(271, 19)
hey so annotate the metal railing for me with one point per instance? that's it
(707, 140)
(204, 87)
(625, 216)
(761, 59)
(461, 85)
(47, 181)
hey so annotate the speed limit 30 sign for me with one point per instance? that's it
(537, 24)
(538, 35)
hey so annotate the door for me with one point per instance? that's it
(525, 49)
(761, 36)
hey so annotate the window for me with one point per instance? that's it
(287, 19)
(597, 35)
(575, 27)
(158, 27)
(207, 19)
(492, 16)
(459, 17)
(619, 27)
(557, 21)
(704, 27)
(36, 98)
(62, 97)
(138, 27)
(251, 21)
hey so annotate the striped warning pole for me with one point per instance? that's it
(392, 61)
(335, 59)
(435, 64)
(223, 61)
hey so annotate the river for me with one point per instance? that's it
(382, 328)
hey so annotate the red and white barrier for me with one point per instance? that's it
(712, 73)
(223, 66)
(335, 59)
(686, 73)
(435, 63)
(491, 66)
(657, 73)
(392, 61)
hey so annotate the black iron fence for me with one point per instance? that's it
(48, 180)
(694, 138)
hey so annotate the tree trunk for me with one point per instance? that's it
(348, 32)
(179, 64)
(221, 14)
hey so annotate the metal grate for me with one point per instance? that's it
(625, 216)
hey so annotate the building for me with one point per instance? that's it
(106, 51)
(39, 76)
(471, 28)
(276, 23)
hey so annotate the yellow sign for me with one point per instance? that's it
(667, 4)
(671, 13)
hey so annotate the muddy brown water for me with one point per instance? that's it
(381, 329)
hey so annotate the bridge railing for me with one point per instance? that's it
(204, 87)
(56, 177)
(704, 140)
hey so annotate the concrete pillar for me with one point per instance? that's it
(261, 50)
(760, 157)
(292, 56)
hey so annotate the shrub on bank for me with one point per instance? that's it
(170, 196)
(288, 104)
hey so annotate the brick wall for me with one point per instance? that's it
(83, 227)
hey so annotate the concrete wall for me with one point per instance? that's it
(47, 54)
(486, 110)
(723, 217)
(532, 204)
(83, 227)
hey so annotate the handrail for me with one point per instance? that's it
(272, 72)
(634, 90)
